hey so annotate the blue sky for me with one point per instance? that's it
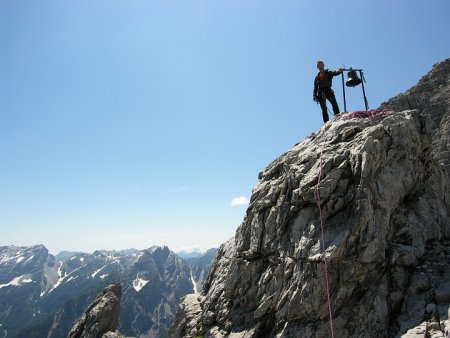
(136, 123)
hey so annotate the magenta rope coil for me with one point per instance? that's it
(364, 114)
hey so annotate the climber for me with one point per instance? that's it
(323, 90)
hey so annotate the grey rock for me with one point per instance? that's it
(423, 303)
(187, 315)
(101, 317)
(430, 308)
(442, 293)
(419, 283)
(112, 335)
(433, 328)
(384, 197)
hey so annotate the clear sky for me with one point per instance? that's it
(129, 123)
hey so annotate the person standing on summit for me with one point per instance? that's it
(323, 90)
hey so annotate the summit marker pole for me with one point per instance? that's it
(343, 92)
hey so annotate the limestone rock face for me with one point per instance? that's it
(383, 186)
(187, 318)
(101, 317)
(431, 96)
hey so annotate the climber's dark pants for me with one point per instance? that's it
(328, 94)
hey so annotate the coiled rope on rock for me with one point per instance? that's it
(364, 114)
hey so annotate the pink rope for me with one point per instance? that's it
(364, 114)
(357, 114)
(330, 312)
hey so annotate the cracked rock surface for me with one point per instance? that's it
(385, 203)
(101, 318)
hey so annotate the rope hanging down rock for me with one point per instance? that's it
(327, 284)
(354, 115)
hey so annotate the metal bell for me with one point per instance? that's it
(353, 79)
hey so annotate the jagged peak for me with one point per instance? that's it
(101, 316)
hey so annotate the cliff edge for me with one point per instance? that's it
(101, 318)
(383, 187)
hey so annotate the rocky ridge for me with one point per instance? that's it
(101, 318)
(43, 295)
(385, 203)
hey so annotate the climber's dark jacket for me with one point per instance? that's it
(325, 82)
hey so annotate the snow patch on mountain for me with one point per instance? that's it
(71, 278)
(139, 283)
(29, 259)
(96, 272)
(52, 274)
(138, 256)
(19, 281)
(194, 284)
(113, 258)
(8, 257)
(62, 279)
(59, 280)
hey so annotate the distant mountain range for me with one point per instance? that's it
(42, 295)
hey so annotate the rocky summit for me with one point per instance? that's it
(379, 187)
(101, 317)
